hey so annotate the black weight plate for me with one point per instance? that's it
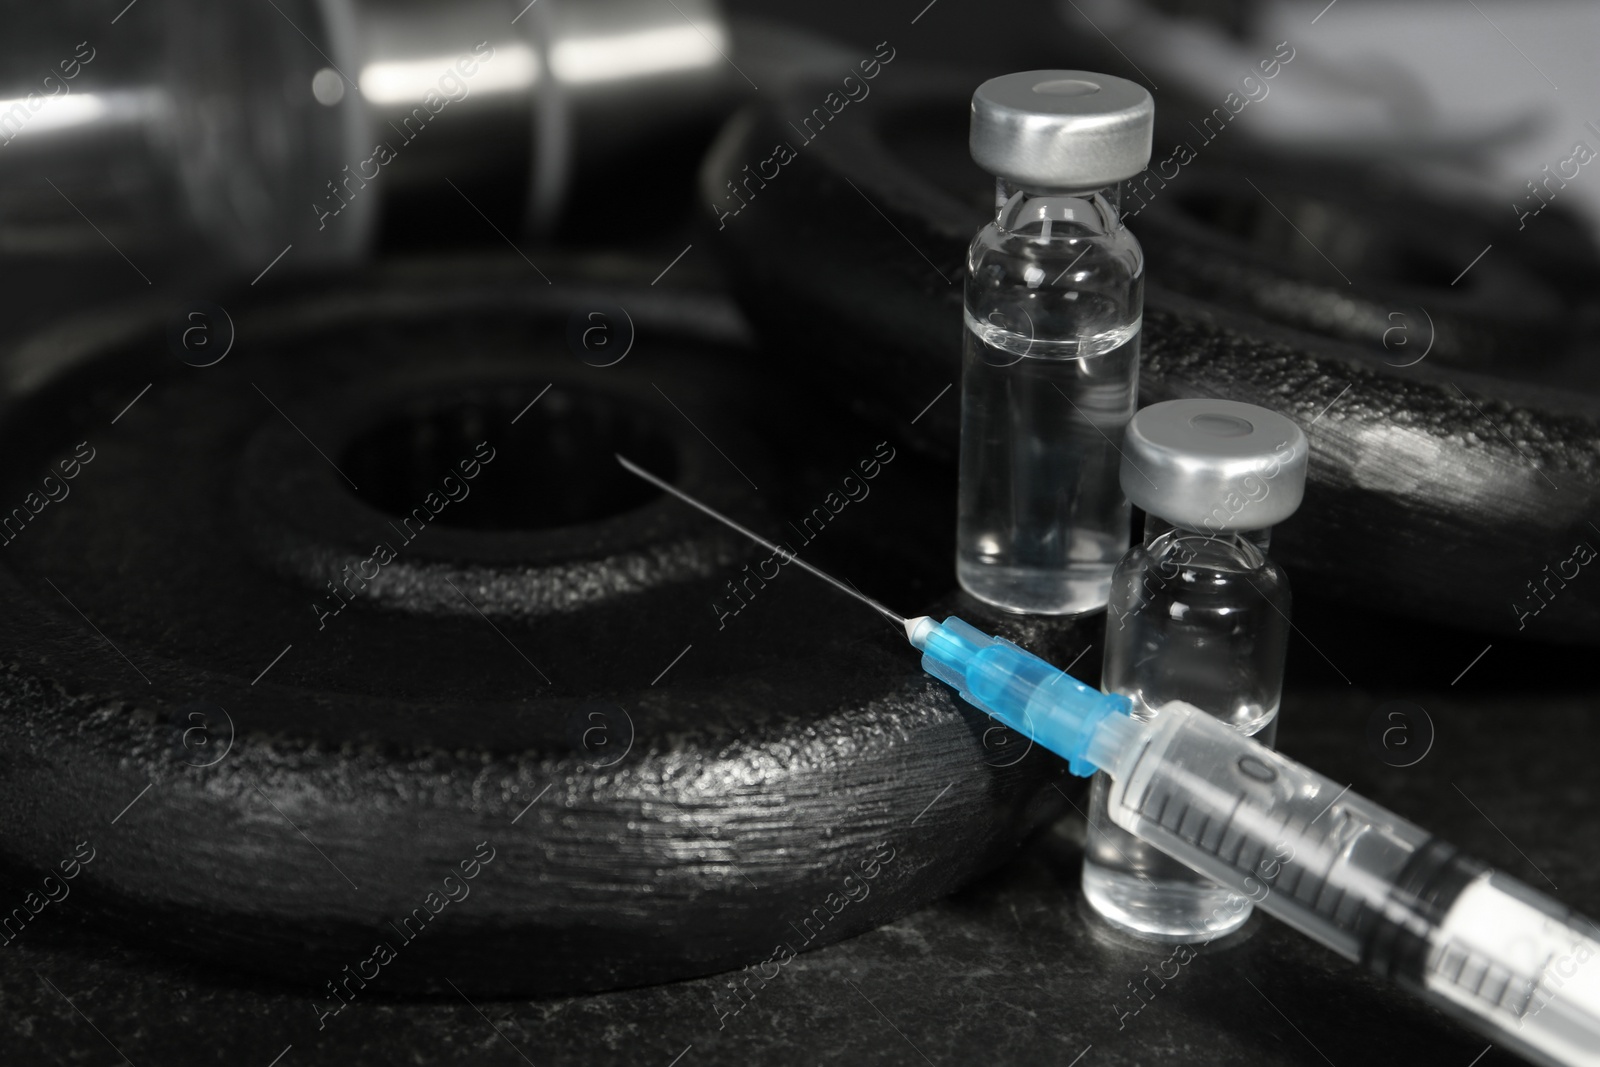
(1457, 488)
(550, 669)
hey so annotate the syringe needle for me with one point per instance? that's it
(634, 468)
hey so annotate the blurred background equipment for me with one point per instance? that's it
(1467, 99)
(330, 124)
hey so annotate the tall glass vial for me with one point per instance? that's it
(1053, 305)
(1198, 613)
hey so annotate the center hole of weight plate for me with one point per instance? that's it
(555, 466)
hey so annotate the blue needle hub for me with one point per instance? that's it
(1000, 678)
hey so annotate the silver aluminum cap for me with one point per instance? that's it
(1061, 129)
(1214, 465)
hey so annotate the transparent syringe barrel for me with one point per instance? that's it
(1370, 885)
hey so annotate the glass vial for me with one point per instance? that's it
(1197, 613)
(1053, 305)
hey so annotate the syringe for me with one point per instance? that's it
(1375, 888)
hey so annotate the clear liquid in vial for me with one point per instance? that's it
(1042, 517)
(1138, 887)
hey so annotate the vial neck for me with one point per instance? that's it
(1155, 526)
(1042, 212)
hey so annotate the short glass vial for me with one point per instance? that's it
(1198, 613)
(1053, 304)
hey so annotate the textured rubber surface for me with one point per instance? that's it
(546, 735)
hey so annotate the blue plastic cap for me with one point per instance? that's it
(1016, 687)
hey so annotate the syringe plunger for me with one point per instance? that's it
(1372, 886)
